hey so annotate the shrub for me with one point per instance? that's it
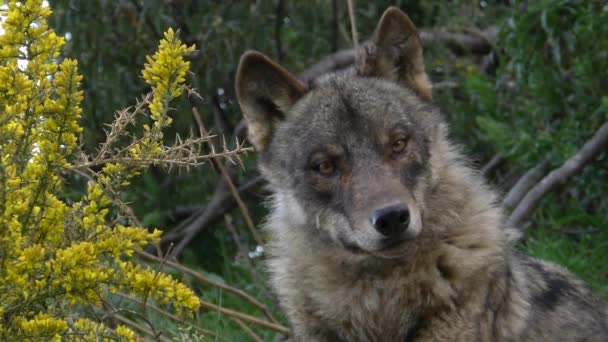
(62, 261)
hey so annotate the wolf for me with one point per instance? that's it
(380, 229)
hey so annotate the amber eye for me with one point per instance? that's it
(399, 145)
(325, 167)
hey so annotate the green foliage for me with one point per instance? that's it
(576, 240)
(550, 92)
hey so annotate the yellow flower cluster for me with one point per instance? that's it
(165, 72)
(56, 258)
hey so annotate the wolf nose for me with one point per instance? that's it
(391, 220)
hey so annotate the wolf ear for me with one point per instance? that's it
(265, 91)
(395, 53)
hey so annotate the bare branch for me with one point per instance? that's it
(523, 185)
(561, 175)
(491, 165)
(221, 202)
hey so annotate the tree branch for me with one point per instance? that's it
(523, 185)
(491, 165)
(559, 176)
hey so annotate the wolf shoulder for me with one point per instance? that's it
(562, 307)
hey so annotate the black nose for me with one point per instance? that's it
(391, 220)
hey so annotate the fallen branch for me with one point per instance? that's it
(491, 165)
(559, 176)
(524, 184)
(221, 202)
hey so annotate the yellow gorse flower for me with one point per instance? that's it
(56, 257)
(165, 72)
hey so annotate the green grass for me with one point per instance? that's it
(577, 240)
(237, 270)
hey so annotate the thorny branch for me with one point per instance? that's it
(226, 176)
(184, 153)
(559, 176)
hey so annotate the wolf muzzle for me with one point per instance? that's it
(391, 220)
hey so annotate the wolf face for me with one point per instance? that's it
(351, 150)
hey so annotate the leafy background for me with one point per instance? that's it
(543, 93)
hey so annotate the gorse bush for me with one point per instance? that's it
(61, 261)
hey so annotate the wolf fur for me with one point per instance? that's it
(339, 148)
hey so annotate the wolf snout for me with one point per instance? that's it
(391, 220)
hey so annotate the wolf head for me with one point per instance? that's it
(351, 153)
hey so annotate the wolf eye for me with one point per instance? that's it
(325, 167)
(399, 145)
